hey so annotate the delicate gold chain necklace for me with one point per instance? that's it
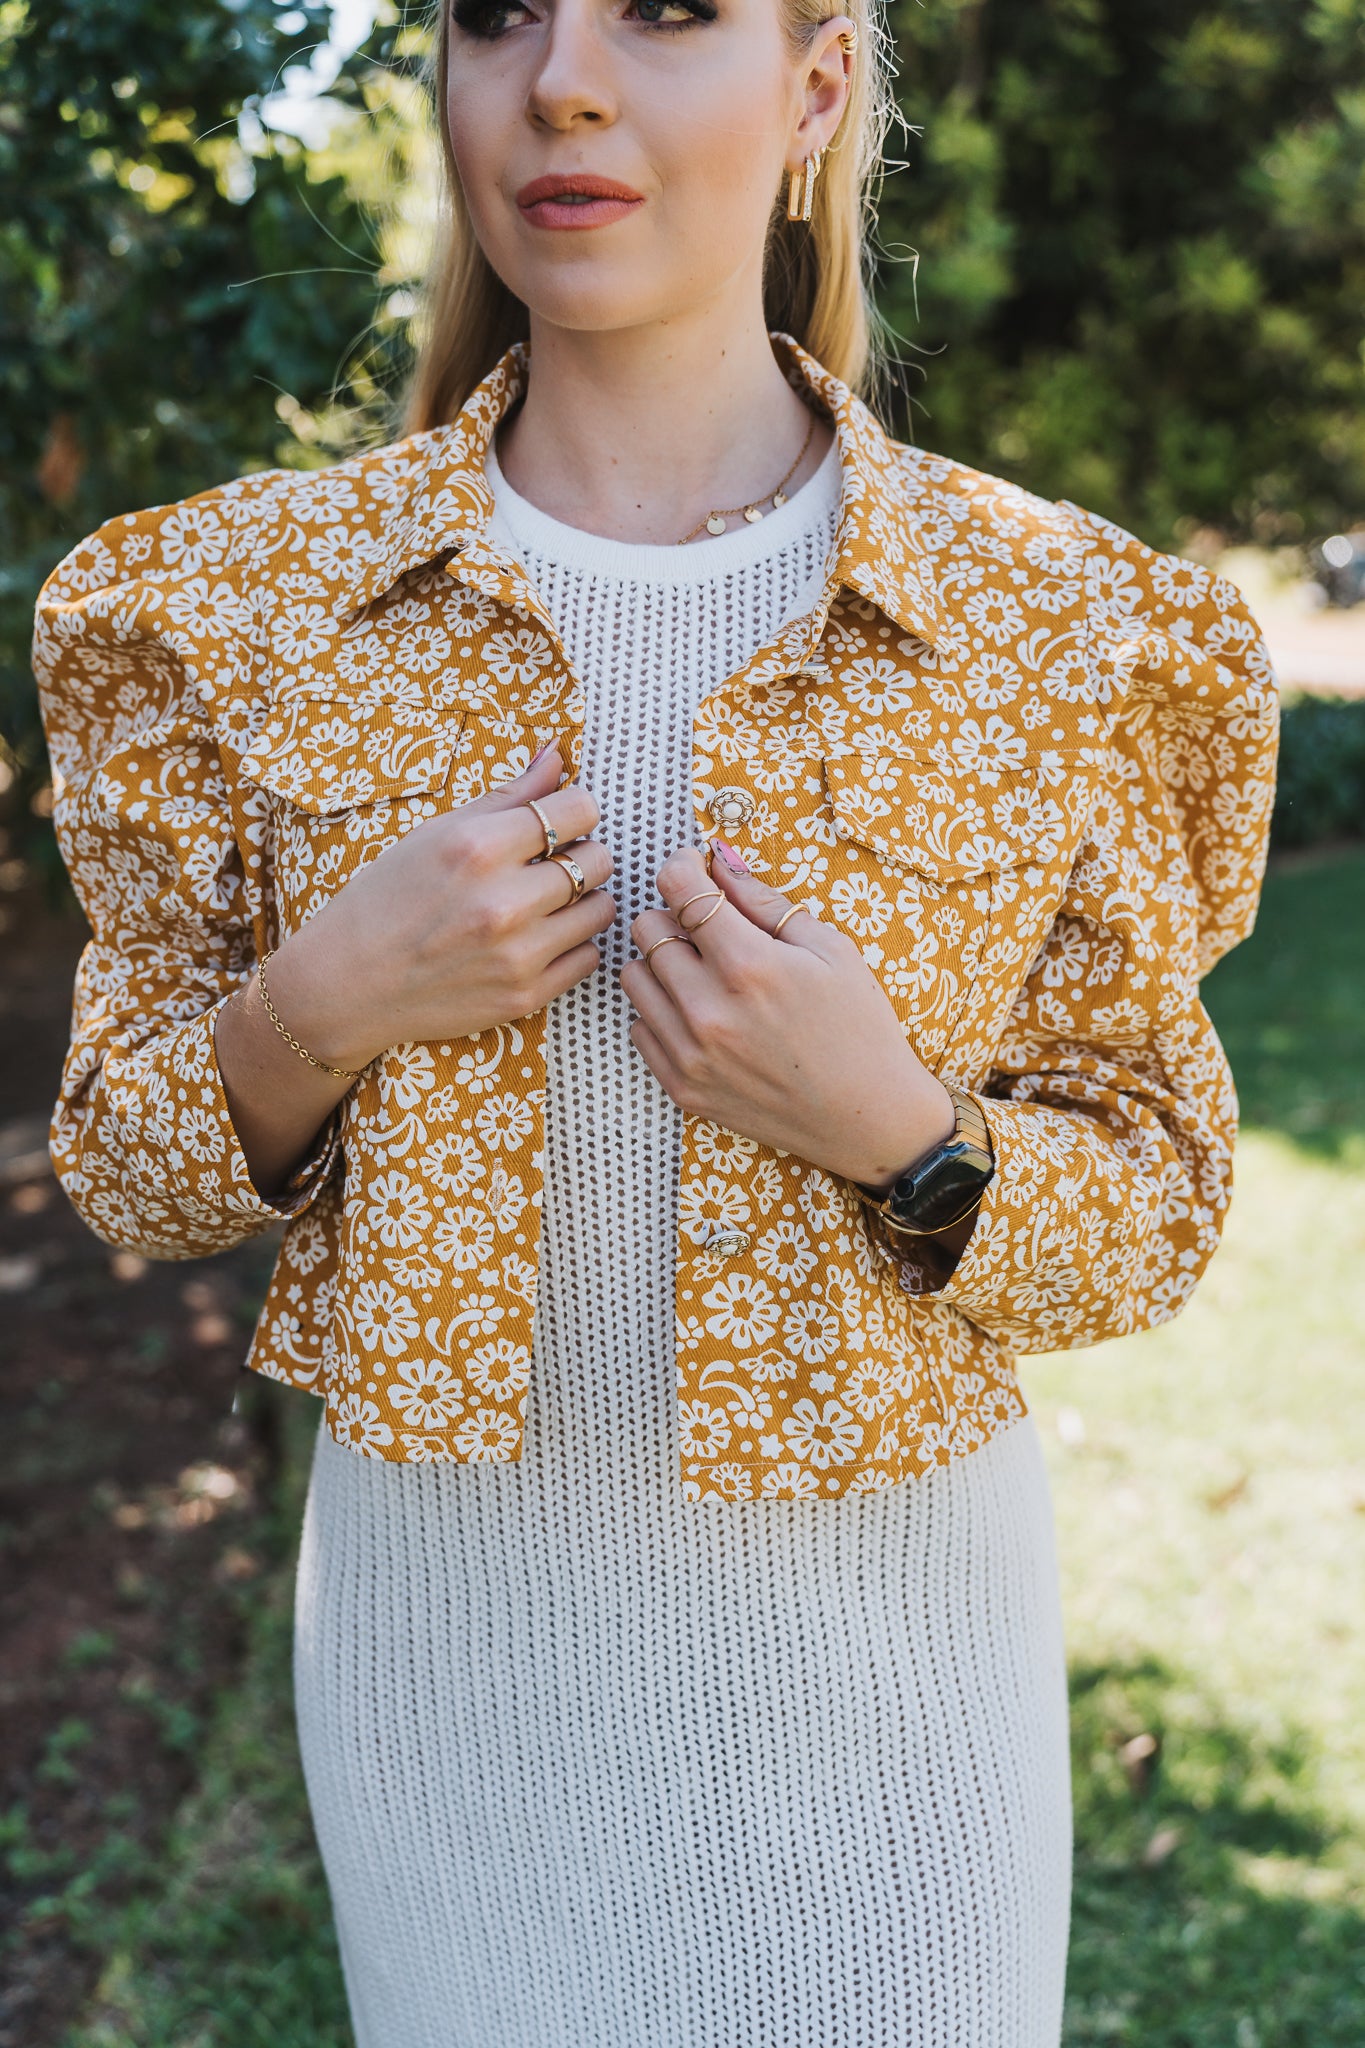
(714, 522)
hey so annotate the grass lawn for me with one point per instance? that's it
(1210, 1485)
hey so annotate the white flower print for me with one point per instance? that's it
(356, 1421)
(862, 905)
(784, 1253)
(788, 1482)
(822, 1436)
(303, 632)
(398, 1212)
(705, 1431)
(454, 1163)
(515, 659)
(996, 615)
(383, 1319)
(426, 1393)
(504, 1120)
(744, 1311)
(502, 1370)
(992, 680)
(707, 1203)
(810, 1332)
(488, 1436)
(1180, 583)
(193, 538)
(463, 1237)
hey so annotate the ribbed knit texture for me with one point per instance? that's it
(592, 1767)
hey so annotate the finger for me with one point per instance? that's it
(571, 813)
(552, 882)
(765, 907)
(649, 998)
(542, 776)
(673, 962)
(651, 1050)
(593, 914)
(700, 906)
(567, 970)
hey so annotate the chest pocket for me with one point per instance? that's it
(925, 862)
(348, 776)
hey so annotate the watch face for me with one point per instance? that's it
(945, 1190)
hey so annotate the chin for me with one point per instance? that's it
(594, 305)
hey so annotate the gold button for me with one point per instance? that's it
(732, 807)
(728, 1244)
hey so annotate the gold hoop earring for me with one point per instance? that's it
(801, 187)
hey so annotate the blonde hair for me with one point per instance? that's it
(817, 276)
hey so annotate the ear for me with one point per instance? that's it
(827, 81)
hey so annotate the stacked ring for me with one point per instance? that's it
(666, 940)
(577, 878)
(551, 836)
(719, 894)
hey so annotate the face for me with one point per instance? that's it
(620, 159)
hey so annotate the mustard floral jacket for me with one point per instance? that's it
(1024, 760)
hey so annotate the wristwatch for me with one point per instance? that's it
(943, 1187)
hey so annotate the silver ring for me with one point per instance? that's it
(551, 836)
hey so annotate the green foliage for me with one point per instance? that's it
(168, 271)
(1321, 789)
(1141, 233)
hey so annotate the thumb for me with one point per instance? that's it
(540, 778)
(763, 906)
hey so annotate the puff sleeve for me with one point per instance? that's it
(1110, 1099)
(152, 831)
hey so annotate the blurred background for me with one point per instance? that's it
(1125, 260)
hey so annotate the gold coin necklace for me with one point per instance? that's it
(714, 522)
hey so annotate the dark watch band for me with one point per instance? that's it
(944, 1187)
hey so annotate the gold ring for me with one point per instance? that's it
(577, 878)
(667, 940)
(783, 919)
(551, 836)
(707, 893)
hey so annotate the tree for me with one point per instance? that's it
(1141, 236)
(181, 292)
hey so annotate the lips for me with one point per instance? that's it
(576, 199)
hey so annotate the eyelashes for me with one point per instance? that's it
(485, 19)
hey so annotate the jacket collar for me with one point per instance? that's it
(879, 549)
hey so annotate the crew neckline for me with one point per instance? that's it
(665, 562)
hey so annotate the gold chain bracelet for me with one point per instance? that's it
(341, 1073)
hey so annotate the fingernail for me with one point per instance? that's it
(734, 861)
(541, 755)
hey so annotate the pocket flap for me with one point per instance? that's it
(947, 823)
(328, 754)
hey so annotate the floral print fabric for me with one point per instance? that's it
(1023, 759)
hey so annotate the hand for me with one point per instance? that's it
(791, 1041)
(455, 928)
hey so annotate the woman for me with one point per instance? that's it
(680, 1659)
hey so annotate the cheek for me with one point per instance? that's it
(479, 131)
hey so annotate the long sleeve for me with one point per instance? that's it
(1110, 1100)
(142, 1140)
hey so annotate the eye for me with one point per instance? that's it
(486, 18)
(672, 13)
(684, 12)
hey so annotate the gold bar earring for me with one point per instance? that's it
(801, 187)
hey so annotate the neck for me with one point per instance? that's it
(638, 433)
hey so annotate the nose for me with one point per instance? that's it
(573, 81)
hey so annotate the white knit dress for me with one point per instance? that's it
(594, 1768)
